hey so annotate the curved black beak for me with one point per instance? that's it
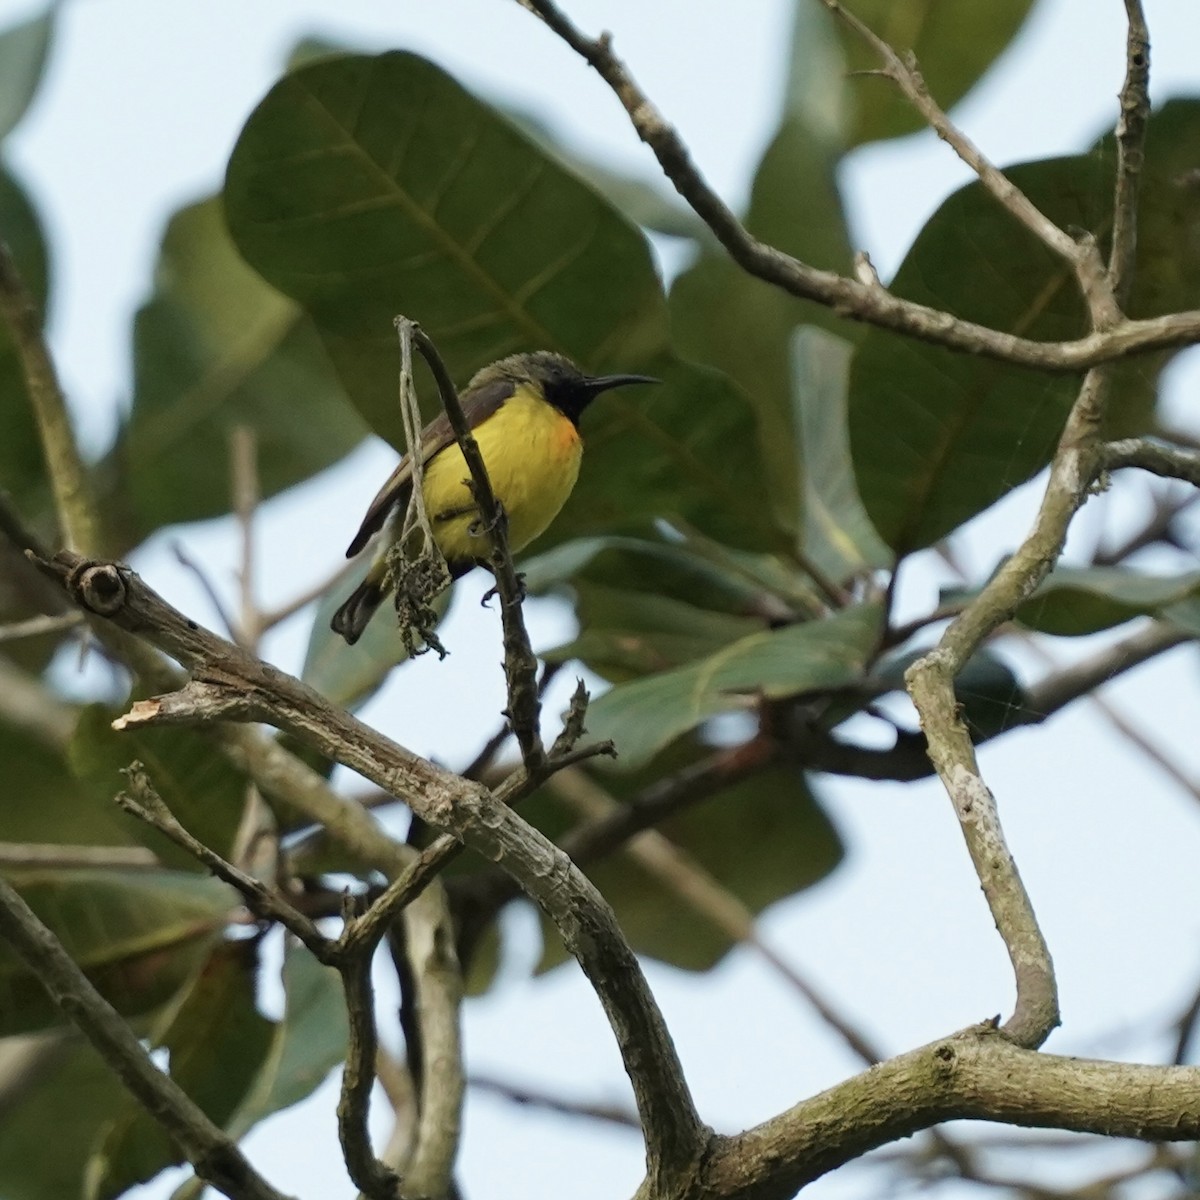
(602, 383)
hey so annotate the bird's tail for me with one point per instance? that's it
(351, 619)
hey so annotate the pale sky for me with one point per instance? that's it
(142, 105)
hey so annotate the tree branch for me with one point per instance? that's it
(1131, 157)
(853, 299)
(976, 1074)
(1081, 255)
(73, 498)
(675, 1135)
(215, 1158)
(520, 663)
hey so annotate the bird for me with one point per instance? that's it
(524, 411)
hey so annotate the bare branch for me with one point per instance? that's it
(517, 1093)
(200, 575)
(674, 1133)
(1081, 679)
(243, 473)
(37, 626)
(429, 943)
(853, 299)
(1082, 256)
(1131, 143)
(73, 498)
(214, 1156)
(67, 858)
(977, 1074)
(373, 1178)
(520, 663)
(27, 704)
(1148, 454)
(144, 802)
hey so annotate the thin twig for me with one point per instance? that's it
(243, 474)
(930, 681)
(1082, 255)
(372, 1177)
(1131, 151)
(520, 663)
(612, 1114)
(1149, 454)
(38, 626)
(214, 1156)
(144, 802)
(15, 855)
(852, 298)
(276, 616)
(483, 761)
(74, 500)
(1159, 529)
(185, 560)
(229, 684)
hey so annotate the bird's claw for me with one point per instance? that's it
(494, 590)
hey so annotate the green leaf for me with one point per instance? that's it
(216, 347)
(954, 44)
(349, 676)
(646, 606)
(936, 436)
(217, 1041)
(838, 535)
(46, 803)
(137, 936)
(626, 634)
(66, 1096)
(643, 203)
(1073, 601)
(24, 49)
(644, 716)
(724, 317)
(763, 839)
(22, 469)
(307, 1044)
(364, 187)
(200, 787)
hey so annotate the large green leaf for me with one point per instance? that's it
(722, 316)
(838, 536)
(307, 1044)
(364, 187)
(137, 935)
(627, 634)
(22, 468)
(201, 788)
(937, 436)
(646, 606)
(24, 49)
(45, 802)
(217, 1041)
(763, 839)
(645, 715)
(62, 1102)
(1073, 601)
(954, 42)
(216, 347)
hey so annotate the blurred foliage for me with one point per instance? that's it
(726, 552)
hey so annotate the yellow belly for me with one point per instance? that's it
(532, 454)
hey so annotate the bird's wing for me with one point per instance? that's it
(478, 404)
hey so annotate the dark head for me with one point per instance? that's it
(562, 383)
